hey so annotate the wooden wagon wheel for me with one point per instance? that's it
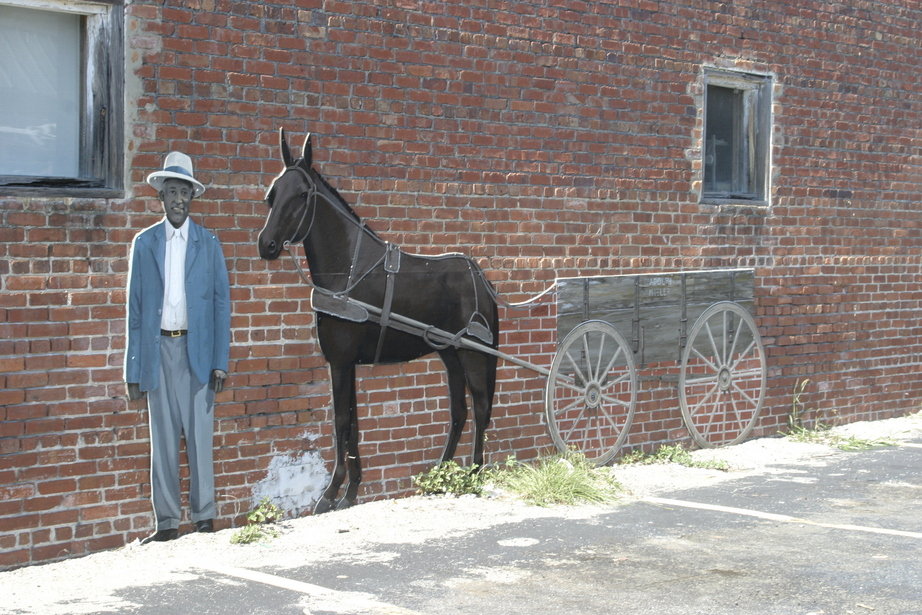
(591, 392)
(722, 379)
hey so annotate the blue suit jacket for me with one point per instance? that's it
(207, 304)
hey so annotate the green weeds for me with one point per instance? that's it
(259, 524)
(449, 478)
(558, 479)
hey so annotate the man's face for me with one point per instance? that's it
(176, 196)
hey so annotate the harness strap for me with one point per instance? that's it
(355, 260)
(391, 268)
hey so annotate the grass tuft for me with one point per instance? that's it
(559, 479)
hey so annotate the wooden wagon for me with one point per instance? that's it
(613, 325)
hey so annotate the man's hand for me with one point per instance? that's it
(134, 391)
(217, 380)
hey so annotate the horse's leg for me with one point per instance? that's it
(480, 374)
(353, 463)
(456, 396)
(342, 383)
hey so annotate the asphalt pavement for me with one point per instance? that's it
(839, 538)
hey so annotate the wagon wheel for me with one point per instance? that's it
(591, 392)
(722, 381)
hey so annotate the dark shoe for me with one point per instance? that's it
(204, 526)
(161, 536)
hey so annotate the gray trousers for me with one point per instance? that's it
(180, 405)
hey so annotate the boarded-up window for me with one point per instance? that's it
(737, 127)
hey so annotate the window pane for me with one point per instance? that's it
(40, 93)
(723, 140)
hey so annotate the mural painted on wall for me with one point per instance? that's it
(178, 345)
(377, 304)
(370, 298)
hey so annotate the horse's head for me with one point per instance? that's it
(291, 200)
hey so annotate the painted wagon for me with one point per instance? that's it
(612, 326)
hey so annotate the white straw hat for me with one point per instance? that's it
(178, 166)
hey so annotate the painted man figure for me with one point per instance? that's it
(178, 345)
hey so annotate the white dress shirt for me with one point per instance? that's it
(174, 278)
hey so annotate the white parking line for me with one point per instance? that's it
(780, 518)
(322, 598)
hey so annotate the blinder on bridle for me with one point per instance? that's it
(310, 205)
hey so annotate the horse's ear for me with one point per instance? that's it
(286, 153)
(307, 156)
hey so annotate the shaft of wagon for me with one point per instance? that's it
(409, 325)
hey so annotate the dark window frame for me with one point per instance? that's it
(751, 135)
(101, 169)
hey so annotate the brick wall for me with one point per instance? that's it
(543, 138)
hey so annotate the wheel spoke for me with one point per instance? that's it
(576, 422)
(608, 384)
(708, 416)
(576, 369)
(615, 400)
(572, 387)
(566, 409)
(586, 354)
(611, 363)
(707, 327)
(743, 355)
(743, 373)
(611, 421)
(705, 359)
(739, 419)
(701, 380)
(755, 404)
(736, 336)
(598, 373)
(710, 394)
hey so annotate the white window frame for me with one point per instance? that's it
(101, 122)
(753, 134)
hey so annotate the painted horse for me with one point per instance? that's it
(365, 290)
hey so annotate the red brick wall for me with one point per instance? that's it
(544, 139)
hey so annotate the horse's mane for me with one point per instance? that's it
(342, 201)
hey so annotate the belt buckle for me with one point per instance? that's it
(177, 333)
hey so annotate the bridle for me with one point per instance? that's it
(310, 207)
(310, 197)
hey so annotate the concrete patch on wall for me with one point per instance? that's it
(293, 482)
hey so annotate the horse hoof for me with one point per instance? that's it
(323, 505)
(344, 504)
